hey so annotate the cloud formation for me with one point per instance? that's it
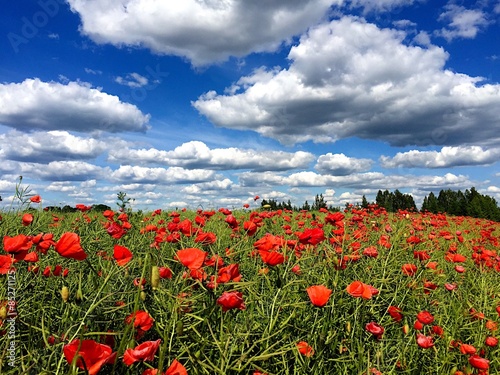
(196, 154)
(198, 30)
(351, 78)
(75, 106)
(447, 157)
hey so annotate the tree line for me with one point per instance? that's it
(469, 203)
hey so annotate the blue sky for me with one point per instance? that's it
(207, 103)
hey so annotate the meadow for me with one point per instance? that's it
(248, 291)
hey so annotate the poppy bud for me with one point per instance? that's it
(3, 312)
(348, 326)
(143, 295)
(65, 293)
(179, 328)
(155, 277)
(79, 295)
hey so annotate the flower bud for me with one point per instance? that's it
(65, 293)
(155, 277)
(3, 312)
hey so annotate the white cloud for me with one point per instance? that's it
(381, 5)
(172, 175)
(34, 104)
(350, 78)
(64, 171)
(202, 31)
(133, 80)
(447, 157)
(43, 147)
(341, 165)
(462, 22)
(195, 155)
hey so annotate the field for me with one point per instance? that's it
(248, 291)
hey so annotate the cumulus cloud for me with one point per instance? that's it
(351, 78)
(202, 31)
(197, 155)
(172, 175)
(63, 171)
(75, 106)
(368, 180)
(341, 165)
(462, 22)
(446, 158)
(44, 147)
(381, 5)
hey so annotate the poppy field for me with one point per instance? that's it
(248, 291)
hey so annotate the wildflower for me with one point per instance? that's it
(479, 362)
(375, 329)
(491, 341)
(359, 289)
(305, 349)
(231, 300)
(319, 295)
(271, 258)
(27, 219)
(36, 199)
(18, 245)
(90, 355)
(122, 255)
(176, 368)
(425, 342)
(395, 313)
(69, 246)
(5, 264)
(192, 258)
(425, 317)
(143, 352)
(409, 269)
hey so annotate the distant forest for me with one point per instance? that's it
(458, 203)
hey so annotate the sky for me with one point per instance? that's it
(208, 103)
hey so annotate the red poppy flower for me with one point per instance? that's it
(165, 272)
(27, 219)
(115, 230)
(491, 341)
(467, 349)
(69, 246)
(228, 273)
(91, 355)
(192, 257)
(143, 352)
(18, 245)
(141, 319)
(176, 368)
(305, 349)
(371, 252)
(359, 289)
(36, 199)
(122, 255)
(395, 313)
(250, 228)
(205, 238)
(312, 236)
(319, 295)
(375, 329)
(231, 300)
(271, 258)
(425, 342)
(479, 362)
(409, 269)
(5, 264)
(425, 317)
